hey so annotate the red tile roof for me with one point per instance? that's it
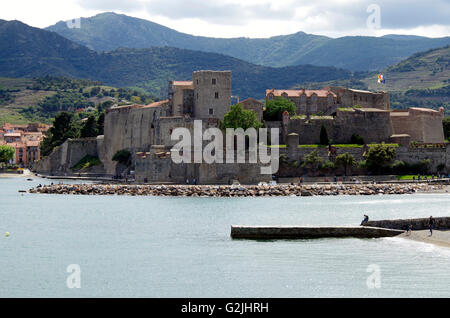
(297, 93)
(157, 104)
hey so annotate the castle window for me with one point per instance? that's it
(214, 81)
(303, 99)
(216, 95)
(270, 96)
(211, 111)
(284, 95)
(314, 99)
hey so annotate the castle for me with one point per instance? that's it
(145, 130)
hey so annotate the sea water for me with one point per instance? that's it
(181, 247)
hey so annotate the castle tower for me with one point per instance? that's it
(212, 94)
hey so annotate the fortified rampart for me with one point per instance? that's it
(423, 125)
(62, 159)
(371, 124)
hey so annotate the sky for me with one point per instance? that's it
(252, 18)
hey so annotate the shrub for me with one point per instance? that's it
(328, 165)
(122, 156)
(357, 140)
(87, 162)
(400, 167)
(324, 140)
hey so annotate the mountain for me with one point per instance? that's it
(109, 31)
(32, 52)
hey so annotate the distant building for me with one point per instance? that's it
(307, 101)
(326, 101)
(25, 139)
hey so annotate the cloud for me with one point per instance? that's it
(112, 5)
(319, 16)
(219, 12)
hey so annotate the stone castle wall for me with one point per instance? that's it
(373, 126)
(423, 125)
(131, 128)
(61, 160)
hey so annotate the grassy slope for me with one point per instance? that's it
(429, 69)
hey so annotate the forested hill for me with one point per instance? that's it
(32, 52)
(109, 31)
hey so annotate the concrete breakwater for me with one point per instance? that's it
(235, 191)
(442, 223)
(292, 232)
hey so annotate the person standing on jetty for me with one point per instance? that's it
(431, 225)
(366, 219)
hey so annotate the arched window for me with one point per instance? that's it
(303, 99)
(284, 95)
(330, 99)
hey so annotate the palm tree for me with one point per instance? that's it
(346, 161)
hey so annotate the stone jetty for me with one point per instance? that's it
(299, 232)
(235, 190)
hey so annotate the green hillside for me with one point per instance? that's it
(423, 80)
(149, 69)
(109, 31)
(39, 99)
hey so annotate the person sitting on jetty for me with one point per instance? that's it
(366, 219)
(431, 225)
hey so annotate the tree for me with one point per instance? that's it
(238, 117)
(324, 140)
(312, 160)
(276, 107)
(101, 123)
(379, 156)
(122, 156)
(7, 153)
(64, 127)
(346, 161)
(90, 128)
(446, 124)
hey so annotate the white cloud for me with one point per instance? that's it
(251, 18)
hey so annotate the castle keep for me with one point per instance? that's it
(145, 130)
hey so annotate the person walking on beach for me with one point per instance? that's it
(408, 232)
(431, 225)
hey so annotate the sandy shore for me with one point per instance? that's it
(26, 173)
(441, 238)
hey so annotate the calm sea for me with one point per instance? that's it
(181, 247)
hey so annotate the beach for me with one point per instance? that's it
(441, 238)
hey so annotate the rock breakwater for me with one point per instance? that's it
(234, 191)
